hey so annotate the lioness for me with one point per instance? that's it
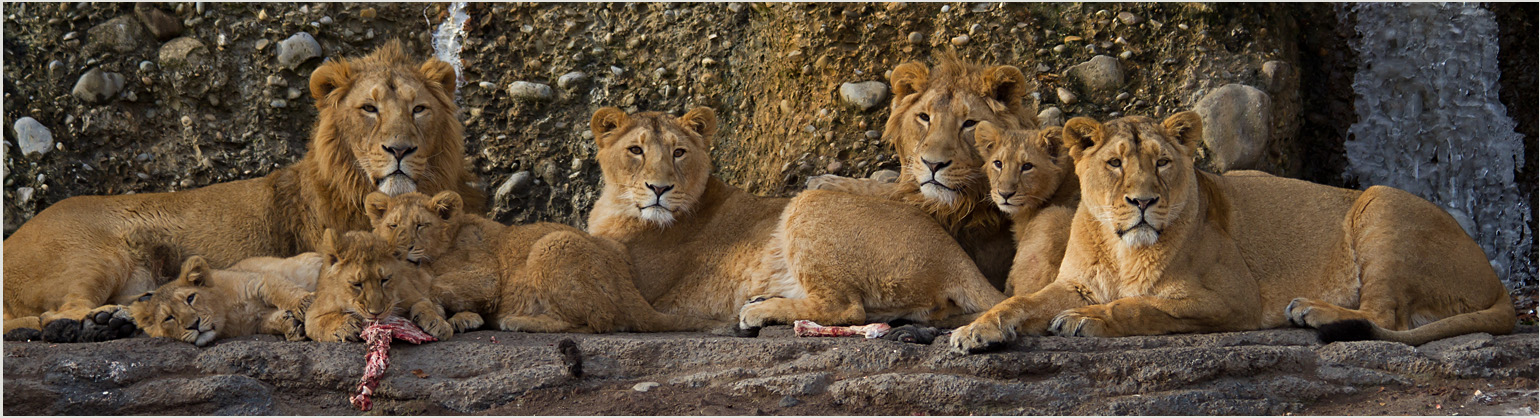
(363, 278)
(1158, 247)
(542, 277)
(1033, 181)
(262, 295)
(703, 248)
(935, 115)
(387, 123)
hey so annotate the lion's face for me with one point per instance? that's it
(184, 309)
(935, 117)
(387, 118)
(414, 224)
(1136, 176)
(360, 274)
(657, 164)
(1025, 167)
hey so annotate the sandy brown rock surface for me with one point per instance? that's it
(1262, 372)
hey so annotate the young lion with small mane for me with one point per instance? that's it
(364, 279)
(542, 277)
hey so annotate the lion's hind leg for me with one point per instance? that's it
(538, 323)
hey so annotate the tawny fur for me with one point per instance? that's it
(1032, 168)
(1243, 251)
(707, 247)
(542, 277)
(363, 278)
(72, 259)
(933, 119)
(261, 295)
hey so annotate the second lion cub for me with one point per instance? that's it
(542, 277)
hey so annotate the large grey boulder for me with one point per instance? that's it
(1237, 126)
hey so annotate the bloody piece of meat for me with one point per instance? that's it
(378, 335)
(806, 328)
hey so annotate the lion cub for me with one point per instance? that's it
(1032, 181)
(541, 277)
(260, 295)
(363, 277)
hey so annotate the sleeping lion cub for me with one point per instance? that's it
(705, 248)
(542, 277)
(1157, 247)
(260, 295)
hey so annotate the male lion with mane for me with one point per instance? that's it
(934, 118)
(1157, 247)
(386, 123)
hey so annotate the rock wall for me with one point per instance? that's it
(207, 94)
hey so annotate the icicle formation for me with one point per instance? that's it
(446, 40)
(1430, 123)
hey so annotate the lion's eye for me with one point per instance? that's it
(969, 123)
(359, 285)
(999, 164)
(168, 319)
(419, 109)
(1162, 162)
(635, 150)
(191, 297)
(1026, 167)
(1115, 163)
(924, 117)
(370, 108)
(384, 280)
(421, 226)
(392, 226)
(679, 153)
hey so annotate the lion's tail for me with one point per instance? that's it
(1497, 320)
(151, 248)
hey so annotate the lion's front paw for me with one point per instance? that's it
(304, 305)
(979, 336)
(1302, 312)
(1080, 322)
(349, 329)
(756, 313)
(466, 321)
(437, 327)
(294, 326)
(108, 322)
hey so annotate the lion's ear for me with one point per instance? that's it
(1051, 139)
(375, 205)
(986, 136)
(447, 204)
(329, 77)
(195, 270)
(441, 73)
(605, 122)
(1080, 134)
(702, 121)
(329, 246)
(1006, 84)
(908, 78)
(1186, 128)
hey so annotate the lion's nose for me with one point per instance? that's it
(1142, 204)
(1006, 195)
(399, 151)
(194, 326)
(660, 190)
(935, 167)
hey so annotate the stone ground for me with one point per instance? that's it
(508, 373)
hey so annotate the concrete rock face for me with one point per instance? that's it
(1261, 372)
(1237, 126)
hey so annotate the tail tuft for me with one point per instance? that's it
(1349, 330)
